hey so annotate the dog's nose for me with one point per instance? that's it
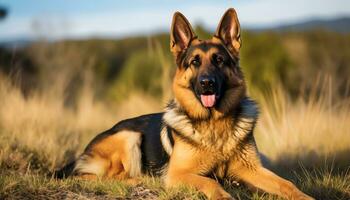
(207, 81)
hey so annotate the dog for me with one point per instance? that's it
(207, 129)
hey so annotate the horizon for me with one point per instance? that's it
(83, 19)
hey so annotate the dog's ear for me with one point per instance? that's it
(181, 33)
(229, 31)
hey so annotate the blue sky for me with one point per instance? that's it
(57, 19)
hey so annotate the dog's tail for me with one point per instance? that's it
(65, 171)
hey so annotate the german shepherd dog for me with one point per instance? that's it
(207, 129)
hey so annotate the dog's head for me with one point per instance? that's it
(208, 80)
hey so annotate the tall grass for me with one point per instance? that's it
(39, 128)
(311, 129)
(40, 131)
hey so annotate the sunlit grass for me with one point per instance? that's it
(309, 130)
(306, 140)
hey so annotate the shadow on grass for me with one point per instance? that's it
(326, 193)
(339, 162)
(322, 176)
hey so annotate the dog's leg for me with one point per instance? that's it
(126, 178)
(208, 186)
(117, 156)
(185, 168)
(88, 177)
(267, 181)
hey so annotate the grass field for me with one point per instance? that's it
(307, 140)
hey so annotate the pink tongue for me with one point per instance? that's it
(208, 100)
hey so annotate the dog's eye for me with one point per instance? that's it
(218, 59)
(195, 62)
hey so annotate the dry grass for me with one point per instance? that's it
(39, 132)
(311, 126)
(41, 122)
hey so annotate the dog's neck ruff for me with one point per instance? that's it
(242, 123)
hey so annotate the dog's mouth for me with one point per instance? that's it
(209, 99)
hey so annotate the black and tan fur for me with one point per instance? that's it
(190, 141)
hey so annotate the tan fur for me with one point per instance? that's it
(202, 146)
(195, 163)
(189, 165)
(217, 140)
(185, 96)
(220, 136)
(266, 180)
(116, 156)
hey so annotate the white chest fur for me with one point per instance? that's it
(219, 136)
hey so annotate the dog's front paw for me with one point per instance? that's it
(301, 196)
(222, 195)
